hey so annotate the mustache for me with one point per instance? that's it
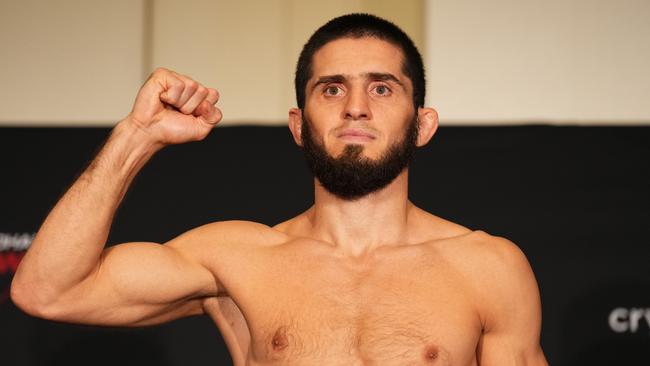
(352, 175)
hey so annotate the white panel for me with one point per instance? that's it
(246, 49)
(540, 61)
(80, 62)
(235, 47)
(69, 61)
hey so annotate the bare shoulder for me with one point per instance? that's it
(497, 279)
(222, 235)
(495, 267)
(494, 250)
(502, 262)
(475, 247)
(298, 226)
(506, 296)
(494, 260)
(505, 287)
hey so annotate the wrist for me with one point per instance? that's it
(128, 148)
(132, 133)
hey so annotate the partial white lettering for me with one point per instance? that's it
(618, 320)
(622, 320)
(15, 241)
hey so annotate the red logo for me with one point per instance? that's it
(9, 262)
(12, 250)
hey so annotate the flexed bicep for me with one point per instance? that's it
(138, 284)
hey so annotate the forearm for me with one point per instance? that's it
(64, 274)
(68, 246)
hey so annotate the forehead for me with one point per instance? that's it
(356, 56)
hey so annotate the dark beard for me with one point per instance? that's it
(351, 175)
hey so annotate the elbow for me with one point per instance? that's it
(19, 296)
(26, 298)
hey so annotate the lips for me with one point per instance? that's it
(355, 133)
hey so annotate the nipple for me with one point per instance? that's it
(431, 353)
(279, 340)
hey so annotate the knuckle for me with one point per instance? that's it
(191, 85)
(176, 84)
(160, 71)
(203, 108)
(214, 93)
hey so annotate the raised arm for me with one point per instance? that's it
(67, 275)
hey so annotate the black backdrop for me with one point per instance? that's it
(575, 199)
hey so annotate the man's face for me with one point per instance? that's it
(359, 126)
(357, 94)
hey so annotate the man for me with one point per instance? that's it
(362, 277)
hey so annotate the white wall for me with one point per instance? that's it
(498, 61)
(82, 62)
(69, 61)
(559, 61)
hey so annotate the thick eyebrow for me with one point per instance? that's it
(338, 78)
(384, 77)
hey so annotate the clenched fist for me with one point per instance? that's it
(173, 109)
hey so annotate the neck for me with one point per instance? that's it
(360, 226)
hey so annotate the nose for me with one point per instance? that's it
(356, 106)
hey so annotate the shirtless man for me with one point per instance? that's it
(363, 277)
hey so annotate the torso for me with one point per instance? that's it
(299, 303)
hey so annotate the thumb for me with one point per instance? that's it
(208, 113)
(170, 89)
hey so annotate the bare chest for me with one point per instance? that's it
(395, 313)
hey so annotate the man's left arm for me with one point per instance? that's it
(513, 312)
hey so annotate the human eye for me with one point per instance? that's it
(382, 90)
(333, 90)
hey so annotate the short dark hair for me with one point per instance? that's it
(360, 25)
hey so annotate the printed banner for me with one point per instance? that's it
(575, 199)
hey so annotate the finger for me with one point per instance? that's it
(210, 114)
(195, 100)
(173, 89)
(213, 96)
(189, 89)
(203, 109)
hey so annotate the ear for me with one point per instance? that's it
(295, 124)
(428, 119)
